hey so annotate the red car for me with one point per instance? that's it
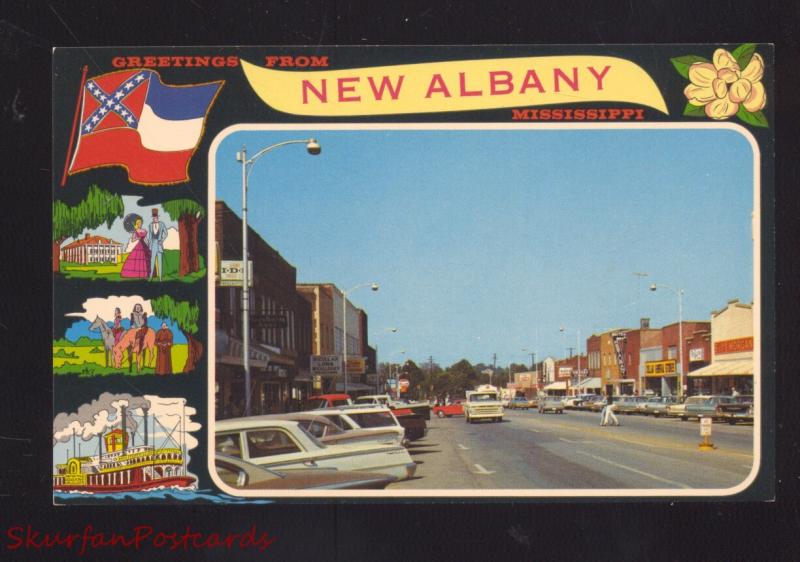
(455, 408)
(328, 401)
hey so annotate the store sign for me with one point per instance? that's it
(326, 365)
(523, 379)
(231, 273)
(403, 385)
(660, 368)
(705, 427)
(697, 354)
(356, 365)
(733, 346)
(565, 371)
(316, 382)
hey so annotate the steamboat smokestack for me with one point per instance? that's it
(145, 409)
(124, 425)
(100, 447)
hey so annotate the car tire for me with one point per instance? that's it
(732, 422)
(440, 414)
(684, 418)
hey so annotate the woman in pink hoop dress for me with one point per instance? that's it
(137, 265)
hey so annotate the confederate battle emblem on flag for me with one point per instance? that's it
(132, 119)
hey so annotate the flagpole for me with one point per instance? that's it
(74, 125)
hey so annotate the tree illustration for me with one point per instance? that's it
(99, 207)
(185, 315)
(188, 213)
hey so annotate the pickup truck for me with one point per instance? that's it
(483, 404)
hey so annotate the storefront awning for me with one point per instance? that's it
(558, 385)
(593, 382)
(725, 369)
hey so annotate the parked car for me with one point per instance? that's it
(368, 418)
(454, 408)
(586, 402)
(243, 475)
(328, 401)
(629, 404)
(331, 433)
(519, 403)
(284, 446)
(400, 407)
(551, 404)
(598, 405)
(706, 408)
(657, 405)
(740, 410)
(678, 409)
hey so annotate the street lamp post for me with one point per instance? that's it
(377, 362)
(374, 287)
(313, 148)
(679, 293)
(396, 385)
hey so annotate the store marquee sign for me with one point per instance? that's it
(737, 345)
(660, 368)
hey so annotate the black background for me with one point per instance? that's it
(683, 530)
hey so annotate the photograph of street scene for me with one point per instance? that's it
(484, 310)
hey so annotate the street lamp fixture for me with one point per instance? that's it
(374, 287)
(313, 148)
(679, 293)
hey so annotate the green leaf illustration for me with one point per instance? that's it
(694, 111)
(756, 119)
(743, 53)
(682, 64)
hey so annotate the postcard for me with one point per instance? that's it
(441, 273)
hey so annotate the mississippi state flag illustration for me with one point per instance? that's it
(132, 119)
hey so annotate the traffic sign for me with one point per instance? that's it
(705, 426)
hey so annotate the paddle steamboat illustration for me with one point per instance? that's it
(125, 466)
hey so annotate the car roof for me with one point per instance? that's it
(356, 409)
(237, 424)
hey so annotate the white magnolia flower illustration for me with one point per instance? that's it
(722, 87)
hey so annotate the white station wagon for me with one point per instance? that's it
(369, 418)
(284, 445)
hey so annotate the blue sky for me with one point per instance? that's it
(489, 241)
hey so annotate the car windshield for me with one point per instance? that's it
(482, 397)
(319, 429)
(373, 419)
(313, 439)
(318, 403)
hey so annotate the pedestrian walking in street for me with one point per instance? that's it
(608, 413)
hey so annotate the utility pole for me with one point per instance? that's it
(569, 351)
(494, 366)
(430, 371)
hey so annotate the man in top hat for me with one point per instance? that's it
(156, 234)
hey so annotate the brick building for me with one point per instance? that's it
(279, 356)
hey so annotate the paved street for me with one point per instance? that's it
(571, 451)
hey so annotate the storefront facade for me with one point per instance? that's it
(280, 328)
(732, 345)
